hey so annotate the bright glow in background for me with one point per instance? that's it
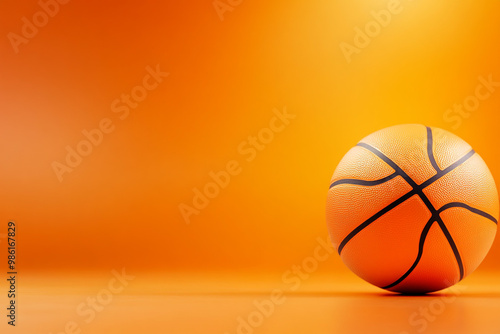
(119, 208)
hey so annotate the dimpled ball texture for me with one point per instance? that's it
(412, 209)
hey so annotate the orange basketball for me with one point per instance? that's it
(412, 209)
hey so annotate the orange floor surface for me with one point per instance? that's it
(192, 304)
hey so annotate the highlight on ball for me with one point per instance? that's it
(412, 209)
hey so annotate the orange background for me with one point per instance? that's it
(120, 207)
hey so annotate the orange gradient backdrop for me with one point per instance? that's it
(120, 206)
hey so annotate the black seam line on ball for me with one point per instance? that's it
(451, 242)
(423, 237)
(419, 191)
(398, 170)
(447, 170)
(471, 209)
(452, 245)
(364, 182)
(390, 163)
(430, 151)
(376, 216)
(421, 242)
(403, 198)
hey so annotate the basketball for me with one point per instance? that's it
(412, 209)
